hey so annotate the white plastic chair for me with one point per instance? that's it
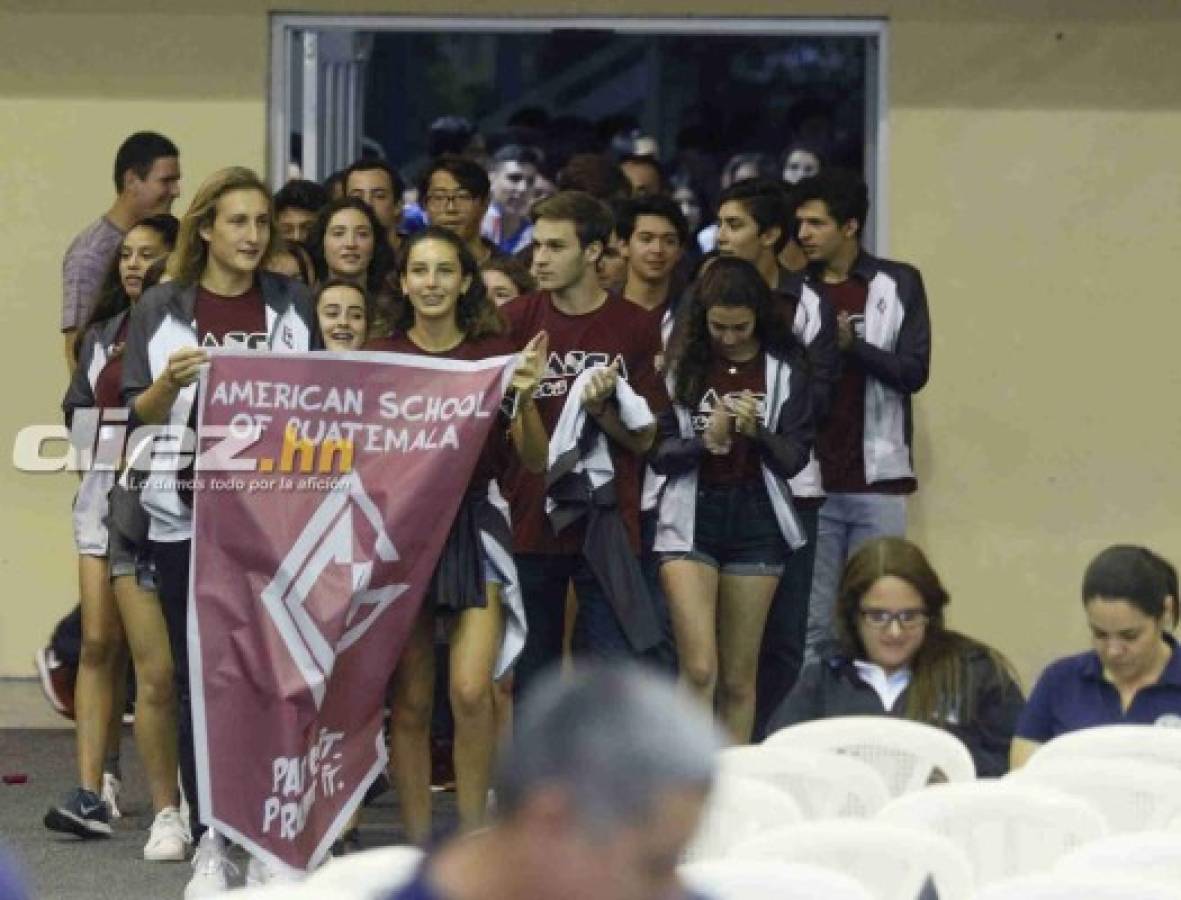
(737, 810)
(1150, 743)
(1150, 855)
(1005, 828)
(892, 862)
(1072, 887)
(723, 879)
(906, 754)
(369, 874)
(1132, 794)
(825, 785)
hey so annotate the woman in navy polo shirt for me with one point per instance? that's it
(1133, 674)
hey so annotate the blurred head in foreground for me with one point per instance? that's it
(598, 792)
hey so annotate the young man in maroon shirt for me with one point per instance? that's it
(884, 335)
(588, 328)
(654, 235)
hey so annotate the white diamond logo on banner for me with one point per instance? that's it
(329, 539)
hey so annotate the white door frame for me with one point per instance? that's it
(875, 31)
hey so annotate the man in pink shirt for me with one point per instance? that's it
(147, 181)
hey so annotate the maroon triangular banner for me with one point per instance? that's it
(305, 583)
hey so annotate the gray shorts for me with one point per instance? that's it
(90, 513)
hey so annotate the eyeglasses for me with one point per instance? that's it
(442, 199)
(907, 619)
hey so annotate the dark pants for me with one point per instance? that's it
(782, 652)
(664, 655)
(172, 573)
(597, 632)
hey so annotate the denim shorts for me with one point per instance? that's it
(735, 531)
(129, 552)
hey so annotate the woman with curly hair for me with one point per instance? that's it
(346, 243)
(739, 428)
(474, 597)
(895, 656)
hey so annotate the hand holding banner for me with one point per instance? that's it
(326, 486)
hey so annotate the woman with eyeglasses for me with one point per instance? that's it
(895, 656)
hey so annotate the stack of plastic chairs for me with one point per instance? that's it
(1132, 794)
(908, 755)
(1074, 887)
(892, 862)
(726, 879)
(1005, 827)
(825, 785)
(1149, 743)
(737, 810)
(1149, 855)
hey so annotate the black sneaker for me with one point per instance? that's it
(83, 813)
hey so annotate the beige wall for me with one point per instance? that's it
(1033, 177)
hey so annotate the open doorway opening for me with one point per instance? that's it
(701, 90)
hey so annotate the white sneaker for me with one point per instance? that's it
(168, 840)
(112, 788)
(259, 873)
(212, 869)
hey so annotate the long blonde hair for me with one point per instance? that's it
(187, 261)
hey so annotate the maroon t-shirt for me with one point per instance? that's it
(382, 343)
(657, 316)
(840, 442)
(497, 452)
(110, 380)
(616, 330)
(232, 322)
(725, 382)
(228, 323)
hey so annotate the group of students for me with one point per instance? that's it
(752, 427)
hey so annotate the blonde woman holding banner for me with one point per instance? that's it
(218, 297)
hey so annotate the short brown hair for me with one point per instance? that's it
(592, 218)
